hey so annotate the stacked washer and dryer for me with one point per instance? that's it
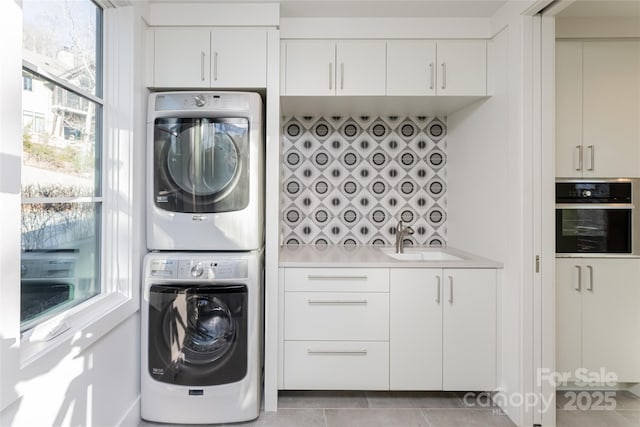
(203, 279)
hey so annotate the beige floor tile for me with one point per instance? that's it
(467, 418)
(322, 399)
(593, 419)
(627, 400)
(288, 418)
(412, 399)
(633, 416)
(375, 418)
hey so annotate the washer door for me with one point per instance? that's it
(197, 335)
(200, 164)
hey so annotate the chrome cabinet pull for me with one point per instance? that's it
(438, 289)
(337, 302)
(342, 75)
(444, 75)
(590, 287)
(362, 352)
(202, 66)
(450, 290)
(591, 157)
(215, 65)
(337, 277)
(431, 80)
(579, 157)
(330, 76)
(577, 283)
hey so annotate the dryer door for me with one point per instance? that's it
(201, 164)
(197, 334)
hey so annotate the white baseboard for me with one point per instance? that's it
(132, 417)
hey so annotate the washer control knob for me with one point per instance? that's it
(200, 100)
(197, 270)
(586, 193)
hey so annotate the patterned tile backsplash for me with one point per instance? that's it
(348, 180)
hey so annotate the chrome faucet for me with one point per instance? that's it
(401, 231)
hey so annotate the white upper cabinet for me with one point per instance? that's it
(597, 108)
(442, 68)
(320, 67)
(203, 58)
(360, 67)
(411, 68)
(309, 67)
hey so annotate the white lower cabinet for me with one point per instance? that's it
(336, 329)
(442, 329)
(598, 316)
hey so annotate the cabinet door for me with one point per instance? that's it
(569, 150)
(415, 341)
(611, 108)
(411, 68)
(238, 58)
(181, 58)
(462, 68)
(361, 67)
(569, 273)
(469, 332)
(310, 68)
(611, 317)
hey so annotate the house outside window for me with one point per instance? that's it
(62, 195)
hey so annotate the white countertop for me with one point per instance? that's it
(372, 256)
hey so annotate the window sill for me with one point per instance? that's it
(77, 328)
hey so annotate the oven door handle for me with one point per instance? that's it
(594, 206)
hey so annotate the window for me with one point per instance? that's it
(62, 200)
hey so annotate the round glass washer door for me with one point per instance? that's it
(204, 160)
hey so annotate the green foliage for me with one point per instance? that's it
(68, 159)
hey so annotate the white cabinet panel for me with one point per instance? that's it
(360, 67)
(337, 365)
(469, 331)
(336, 316)
(411, 68)
(204, 58)
(310, 67)
(181, 57)
(597, 108)
(337, 279)
(462, 68)
(598, 321)
(239, 58)
(415, 341)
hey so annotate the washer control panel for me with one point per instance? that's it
(199, 269)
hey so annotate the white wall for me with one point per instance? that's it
(99, 385)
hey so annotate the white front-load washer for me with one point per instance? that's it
(201, 337)
(205, 171)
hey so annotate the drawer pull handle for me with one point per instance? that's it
(338, 352)
(345, 277)
(337, 302)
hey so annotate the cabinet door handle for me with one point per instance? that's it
(202, 66)
(590, 286)
(450, 290)
(592, 151)
(330, 76)
(444, 75)
(438, 289)
(579, 157)
(341, 75)
(337, 277)
(576, 283)
(432, 75)
(215, 65)
(362, 352)
(337, 302)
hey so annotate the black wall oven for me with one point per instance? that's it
(595, 216)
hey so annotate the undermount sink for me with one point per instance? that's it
(421, 254)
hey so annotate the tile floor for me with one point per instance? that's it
(429, 409)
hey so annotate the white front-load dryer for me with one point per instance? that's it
(205, 171)
(201, 337)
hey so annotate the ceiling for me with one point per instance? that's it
(602, 8)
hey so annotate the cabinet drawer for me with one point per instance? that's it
(336, 316)
(328, 365)
(336, 279)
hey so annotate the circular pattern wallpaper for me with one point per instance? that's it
(348, 180)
